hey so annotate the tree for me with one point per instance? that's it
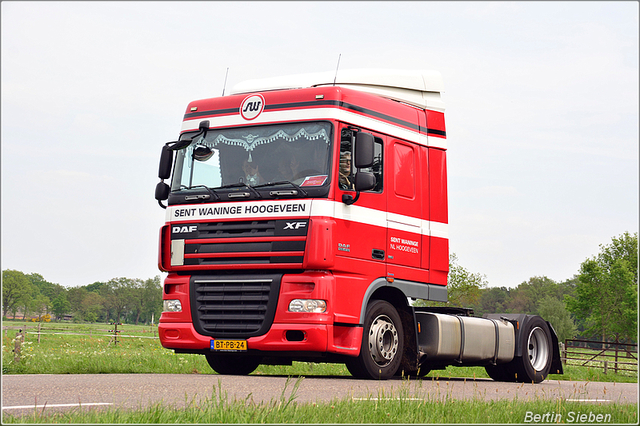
(45, 287)
(463, 287)
(75, 295)
(152, 306)
(525, 297)
(40, 305)
(492, 300)
(60, 305)
(607, 289)
(553, 310)
(15, 286)
(91, 306)
(96, 286)
(136, 298)
(119, 296)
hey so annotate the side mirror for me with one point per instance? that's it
(162, 192)
(166, 161)
(202, 153)
(364, 150)
(365, 181)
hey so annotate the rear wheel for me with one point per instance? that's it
(233, 364)
(537, 354)
(382, 343)
(535, 362)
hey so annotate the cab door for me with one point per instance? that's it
(361, 226)
(404, 244)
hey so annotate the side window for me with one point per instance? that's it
(377, 168)
(346, 169)
(404, 170)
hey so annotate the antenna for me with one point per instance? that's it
(225, 81)
(337, 66)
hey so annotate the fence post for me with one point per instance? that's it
(39, 324)
(605, 367)
(115, 331)
(615, 366)
(563, 352)
(17, 349)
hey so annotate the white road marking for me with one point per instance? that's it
(84, 404)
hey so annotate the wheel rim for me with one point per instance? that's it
(383, 340)
(539, 350)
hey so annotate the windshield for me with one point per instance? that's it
(294, 152)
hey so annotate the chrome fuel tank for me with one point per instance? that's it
(466, 340)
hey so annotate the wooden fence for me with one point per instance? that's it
(616, 356)
(50, 328)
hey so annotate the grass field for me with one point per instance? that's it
(399, 408)
(90, 350)
(81, 353)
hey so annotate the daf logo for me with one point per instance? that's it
(184, 229)
(294, 225)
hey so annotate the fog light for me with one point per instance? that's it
(308, 305)
(172, 305)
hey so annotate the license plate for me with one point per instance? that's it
(228, 345)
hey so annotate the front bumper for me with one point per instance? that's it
(318, 338)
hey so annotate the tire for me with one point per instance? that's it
(382, 343)
(236, 365)
(537, 354)
(501, 372)
(419, 373)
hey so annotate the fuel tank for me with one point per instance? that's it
(464, 339)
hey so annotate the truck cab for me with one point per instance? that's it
(301, 215)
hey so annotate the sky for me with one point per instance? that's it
(541, 113)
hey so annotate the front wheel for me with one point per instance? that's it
(382, 343)
(233, 365)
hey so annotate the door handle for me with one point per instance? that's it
(377, 254)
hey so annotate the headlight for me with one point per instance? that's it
(173, 305)
(308, 305)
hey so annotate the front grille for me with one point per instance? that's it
(234, 305)
(245, 228)
(257, 242)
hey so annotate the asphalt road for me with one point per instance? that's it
(21, 393)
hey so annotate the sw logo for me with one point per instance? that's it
(184, 229)
(251, 107)
(294, 225)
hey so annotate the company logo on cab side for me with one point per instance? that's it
(251, 107)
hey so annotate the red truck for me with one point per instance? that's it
(303, 216)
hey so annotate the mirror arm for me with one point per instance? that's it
(348, 199)
(162, 205)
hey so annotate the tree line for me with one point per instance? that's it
(130, 300)
(600, 301)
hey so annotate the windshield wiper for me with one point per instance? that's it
(284, 182)
(241, 185)
(201, 197)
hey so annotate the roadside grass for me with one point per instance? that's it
(71, 354)
(81, 353)
(401, 406)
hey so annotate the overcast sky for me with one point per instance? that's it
(541, 98)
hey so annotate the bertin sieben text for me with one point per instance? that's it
(570, 417)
